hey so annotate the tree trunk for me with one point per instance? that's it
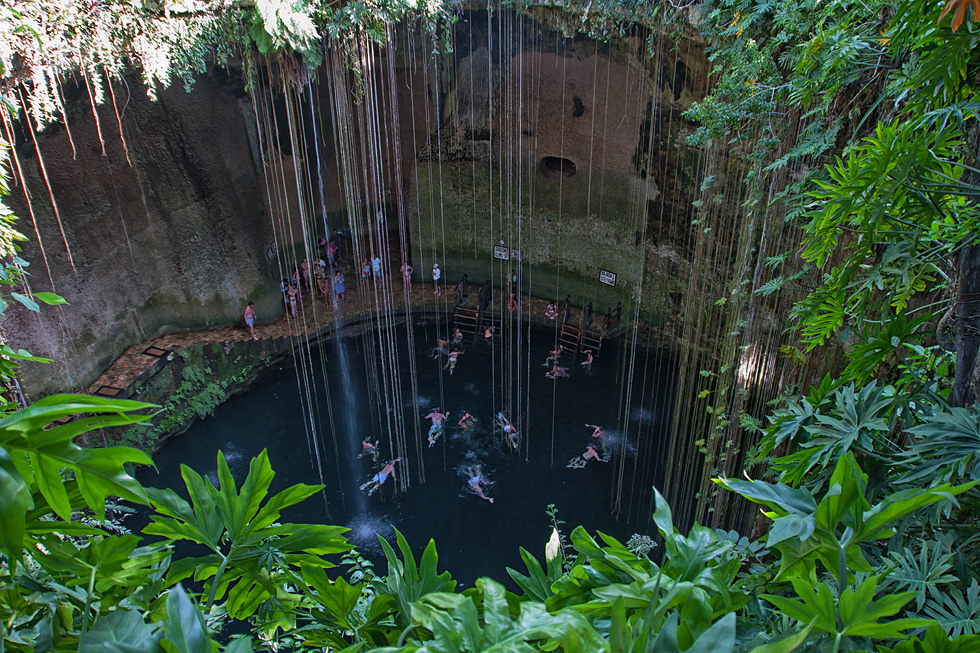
(967, 326)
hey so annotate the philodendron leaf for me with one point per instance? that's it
(185, 627)
(123, 630)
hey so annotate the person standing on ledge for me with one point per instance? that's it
(376, 266)
(437, 278)
(250, 319)
(407, 277)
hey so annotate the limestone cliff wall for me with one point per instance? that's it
(171, 213)
(168, 229)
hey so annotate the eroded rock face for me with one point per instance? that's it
(570, 150)
(175, 238)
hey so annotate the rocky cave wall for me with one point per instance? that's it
(571, 151)
(176, 237)
(180, 235)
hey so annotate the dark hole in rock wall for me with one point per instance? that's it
(579, 107)
(680, 76)
(556, 167)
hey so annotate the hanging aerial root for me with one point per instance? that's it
(47, 182)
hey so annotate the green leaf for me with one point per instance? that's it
(123, 630)
(185, 627)
(50, 298)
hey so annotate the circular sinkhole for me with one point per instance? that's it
(556, 167)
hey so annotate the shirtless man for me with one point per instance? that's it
(488, 333)
(369, 449)
(379, 479)
(592, 454)
(436, 429)
(597, 432)
(587, 363)
(555, 355)
(250, 319)
(477, 482)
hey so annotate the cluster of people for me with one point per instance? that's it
(595, 449)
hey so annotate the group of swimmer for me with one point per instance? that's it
(559, 372)
(595, 449)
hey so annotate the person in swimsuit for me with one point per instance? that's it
(553, 359)
(557, 372)
(407, 277)
(292, 293)
(250, 319)
(592, 454)
(511, 436)
(379, 479)
(451, 363)
(369, 448)
(457, 336)
(597, 431)
(552, 311)
(305, 267)
(297, 279)
(466, 421)
(488, 333)
(587, 363)
(436, 429)
(477, 482)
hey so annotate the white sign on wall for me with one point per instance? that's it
(501, 252)
(515, 254)
(607, 277)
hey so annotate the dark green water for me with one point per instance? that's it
(474, 538)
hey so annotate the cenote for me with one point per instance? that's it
(474, 538)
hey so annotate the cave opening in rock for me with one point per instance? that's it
(556, 167)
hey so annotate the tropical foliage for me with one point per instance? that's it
(868, 536)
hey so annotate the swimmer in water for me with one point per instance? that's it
(369, 449)
(597, 432)
(477, 482)
(457, 336)
(587, 363)
(488, 333)
(557, 372)
(436, 429)
(379, 479)
(553, 359)
(451, 363)
(466, 421)
(592, 454)
(511, 436)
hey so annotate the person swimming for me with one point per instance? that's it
(379, 479)
(557, 372)
(477, 482)
(369, 449)
(437, 427)
(466, 421)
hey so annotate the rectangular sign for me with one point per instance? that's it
(607, 277)
(515, 254)
(501, 252)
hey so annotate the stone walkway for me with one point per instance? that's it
(314, 317)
